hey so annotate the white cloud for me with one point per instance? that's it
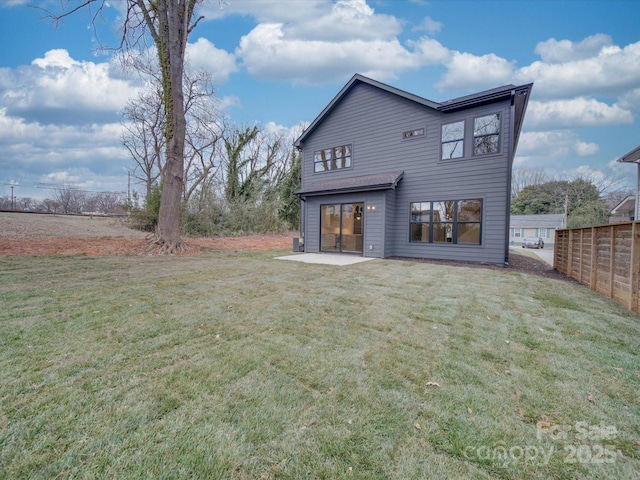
(429, 52)
(266, 10)
(586, 172)
(229, 102)
(266, 53)
(575, 113)
(585, 149)
(548, 146)
(338, 40)
(466, 71)
(35, 152)
(204, 56)
(429, 25)
(58, 88)
(14, 3)
(631, 100)
(347, 20)
(554, 51)
(612, 71)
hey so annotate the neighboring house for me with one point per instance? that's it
(624, 211)
(388, 173)
(633, 157)
(542, 225)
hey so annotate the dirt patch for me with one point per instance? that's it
(40, 234)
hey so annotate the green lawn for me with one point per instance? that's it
(233, 365)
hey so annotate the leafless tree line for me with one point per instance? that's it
(229, 169)
(69, 200)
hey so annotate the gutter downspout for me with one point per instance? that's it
(303, 217)
(509, 178)
(636, 213)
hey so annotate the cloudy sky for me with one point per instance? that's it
(278, 63)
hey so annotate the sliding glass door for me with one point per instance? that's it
(341, 227)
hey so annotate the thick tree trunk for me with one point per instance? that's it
(173, 32)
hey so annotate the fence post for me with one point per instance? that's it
(593, 279)
(635, 267)
(570, 254)
(612, 265)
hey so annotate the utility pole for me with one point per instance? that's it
(13, 204)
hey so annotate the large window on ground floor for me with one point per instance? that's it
(448, 221)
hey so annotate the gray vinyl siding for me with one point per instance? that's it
(373, 121)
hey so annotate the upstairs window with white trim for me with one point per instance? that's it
(332, 158)
(486, 134)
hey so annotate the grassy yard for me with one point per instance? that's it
(233, 365)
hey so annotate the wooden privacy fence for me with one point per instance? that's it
(605, 258)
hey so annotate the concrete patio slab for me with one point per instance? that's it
(326, 258)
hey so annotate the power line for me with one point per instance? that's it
(58, 186)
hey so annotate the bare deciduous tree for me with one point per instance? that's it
(204, 130)
(144, 125)
(143, 137)
(70, 199)
(168, 23)
(524, 176)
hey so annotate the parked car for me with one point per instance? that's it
(532, 242)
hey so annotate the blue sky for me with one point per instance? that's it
(278, 63)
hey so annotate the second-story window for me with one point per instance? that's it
(453, 140)
(332, 158)
(486, 134)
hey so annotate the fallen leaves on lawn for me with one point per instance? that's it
(417, 426)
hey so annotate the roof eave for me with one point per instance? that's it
(390, 185)
(632, 157)
(368, 188)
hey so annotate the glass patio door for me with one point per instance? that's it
(341, 227)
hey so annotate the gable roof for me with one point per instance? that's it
(519, 95)
(626, 205)
(364, 183)
(542, 220)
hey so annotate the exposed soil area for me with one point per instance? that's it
(42, 234)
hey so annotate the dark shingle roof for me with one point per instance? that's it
(364, 183)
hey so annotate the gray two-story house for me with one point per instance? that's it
(386, 173)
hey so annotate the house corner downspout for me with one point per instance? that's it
(509, 178)
(636, 212)
(303, 216)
